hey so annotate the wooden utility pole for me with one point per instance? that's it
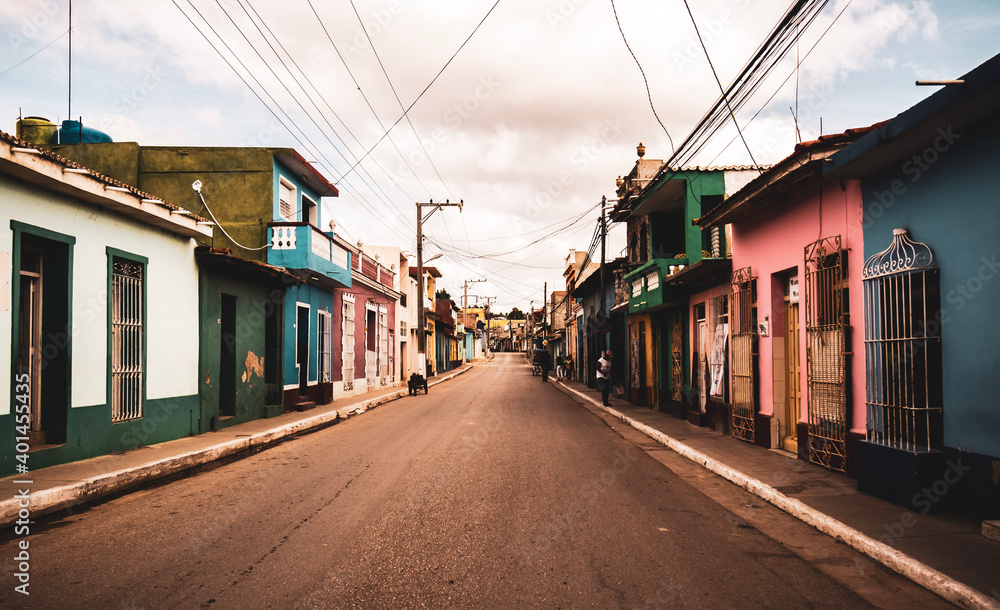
(422, 335)
(465, 307)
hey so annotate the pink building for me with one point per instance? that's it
(364, 336)
(795, 308)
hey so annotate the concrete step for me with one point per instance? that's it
(305, 405)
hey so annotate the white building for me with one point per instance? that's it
(99, 302)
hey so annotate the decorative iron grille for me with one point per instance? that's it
(676, 359)
(126, 340)
(903, 395)
(383, 341)
(348, 348)
(323, 346)
(826, 312)
(743, 343)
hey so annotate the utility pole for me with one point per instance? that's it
(486, 314)
(422, 335)
(545, 314)
(604, 232)
(465, 305)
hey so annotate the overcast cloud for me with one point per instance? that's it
(530, 124)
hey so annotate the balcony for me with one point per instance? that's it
(311, 254)
(647, 287)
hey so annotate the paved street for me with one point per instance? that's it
(494, 490)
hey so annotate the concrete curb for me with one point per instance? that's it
(948, 588)
(53, 499)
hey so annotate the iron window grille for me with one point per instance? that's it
(827, 315)
(126, 339)
(348, 347)
(903, 395)
(323, 346)
(743, 343)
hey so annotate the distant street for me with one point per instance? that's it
(492, 491)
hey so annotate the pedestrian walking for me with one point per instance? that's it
(546, 364)
(604, 377)
(560, 369)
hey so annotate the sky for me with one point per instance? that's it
(528, 122)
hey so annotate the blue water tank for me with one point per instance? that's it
(73, 132)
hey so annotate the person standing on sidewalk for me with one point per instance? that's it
(560, 369)
(604, 377)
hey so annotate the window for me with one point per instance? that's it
(383, 340)
(323, 346)
(126, 338)
(309, 211)
(287, 201)
(903, 346)
(348, 347)
(742, 318)
(637, 287)
(652, 280)
(827, 314)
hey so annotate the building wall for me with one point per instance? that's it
(171, 325)
(773, 241)
(951, 207)
(251, 305)
(316, 299)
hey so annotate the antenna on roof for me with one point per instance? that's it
(69, 78)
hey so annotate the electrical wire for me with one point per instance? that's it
(223, 229)
(649, 95)
(433, 80)
(719, 82)
(18, 64)
(365, 204)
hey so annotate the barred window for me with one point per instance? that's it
(286, 200)
(348, 347)
(126, 339)
(323, 346)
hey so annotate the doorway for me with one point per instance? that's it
(29, 361)
(42, 333)
(302, 347)
(793, 388)
(227, 357)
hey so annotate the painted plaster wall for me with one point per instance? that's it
(948, 200)
(362, 294)
(171, 292)
(702, 298)
(316, 299)
(248, 379)
(773, 240)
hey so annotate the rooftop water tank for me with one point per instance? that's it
(73, 132)
(36, 130)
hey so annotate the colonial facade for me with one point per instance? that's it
(796, 383)
(930, 409)
(100, 311)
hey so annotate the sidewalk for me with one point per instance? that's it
(944, 553)
(66, 485)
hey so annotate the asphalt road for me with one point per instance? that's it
(493, 491)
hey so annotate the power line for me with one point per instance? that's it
(361, 200)
(336, 49)
(18, 64)
(400, 102)
(433, 80)
(649, 95)
(719, 82)
(293, 96)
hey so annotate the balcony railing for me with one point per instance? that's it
(299, 245)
